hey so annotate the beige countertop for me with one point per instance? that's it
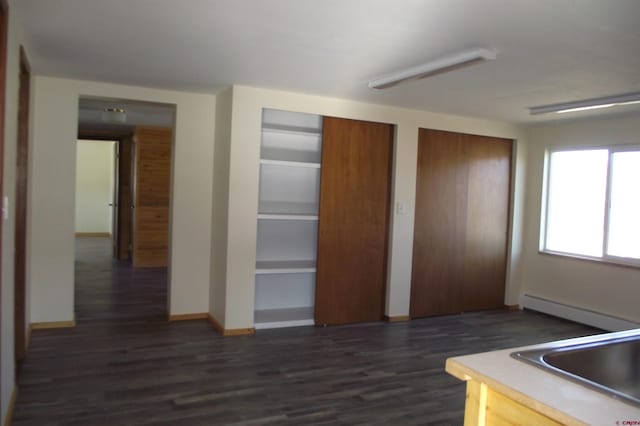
(547, 393)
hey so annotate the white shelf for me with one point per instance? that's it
(278, 318)
(285, 266)
(301, 150)
(287, 210)
(270, 216)
(288, 163)
(290, 129)
(287, 240)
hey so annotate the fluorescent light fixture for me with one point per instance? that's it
(587, 104)
(437, 66)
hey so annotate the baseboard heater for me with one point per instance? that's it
(581, 315)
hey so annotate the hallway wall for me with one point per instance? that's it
(94, 186)
(53, 171)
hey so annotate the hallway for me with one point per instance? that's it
(124, 364)
(110, 290)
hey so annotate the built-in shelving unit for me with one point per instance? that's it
(290, 159)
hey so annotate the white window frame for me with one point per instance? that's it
(544, 211)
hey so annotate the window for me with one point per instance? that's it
(592, 206)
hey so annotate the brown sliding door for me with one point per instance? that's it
(353, 222)
(436, 279)
(461, 223)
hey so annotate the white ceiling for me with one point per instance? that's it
(549, 51)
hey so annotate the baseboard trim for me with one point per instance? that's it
(189, 317)
(28, 339)
(52, 324)
(11, 407)
(397, 318)
(230, 331)
(93, 234)
(512, 307)
(577, 314)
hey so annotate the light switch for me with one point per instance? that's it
(401, 208)
(5, 207)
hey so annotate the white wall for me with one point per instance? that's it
(7, 366)
(51, 243)
(603, 288)
(94, 186)
(243, 188)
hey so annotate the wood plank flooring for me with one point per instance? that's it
(124, 364)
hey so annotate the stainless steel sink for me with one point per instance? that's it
(606, 363)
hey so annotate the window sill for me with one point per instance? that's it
(630, 264)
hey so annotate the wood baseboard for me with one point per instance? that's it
(11, 407)
(52, 324)
(93, 234)
(28, 339)
(215, 324)
(512, 307)
(230, 331)
(189, 317)
(397, 318)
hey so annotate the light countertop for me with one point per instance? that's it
(558, 398)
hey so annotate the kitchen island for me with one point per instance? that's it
(504, 390)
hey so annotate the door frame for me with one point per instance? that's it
(115, 194)
(116, 137)
(4, 23)
(21, 209)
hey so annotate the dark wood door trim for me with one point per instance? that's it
(123, 250)
(22, 173)
(4, 22)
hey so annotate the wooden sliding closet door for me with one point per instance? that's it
(461, 223)
(353, 221)
(487, 226)
(440, 215)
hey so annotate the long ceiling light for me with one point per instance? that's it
(587, 104)
(437, 66)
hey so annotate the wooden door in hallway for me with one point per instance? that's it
(115, 237)
(4, 21)
(152, 180)
(353, 221)
(461, 223)
(125, 172)
(20, 239)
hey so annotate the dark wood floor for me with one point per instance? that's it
(123, 364)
